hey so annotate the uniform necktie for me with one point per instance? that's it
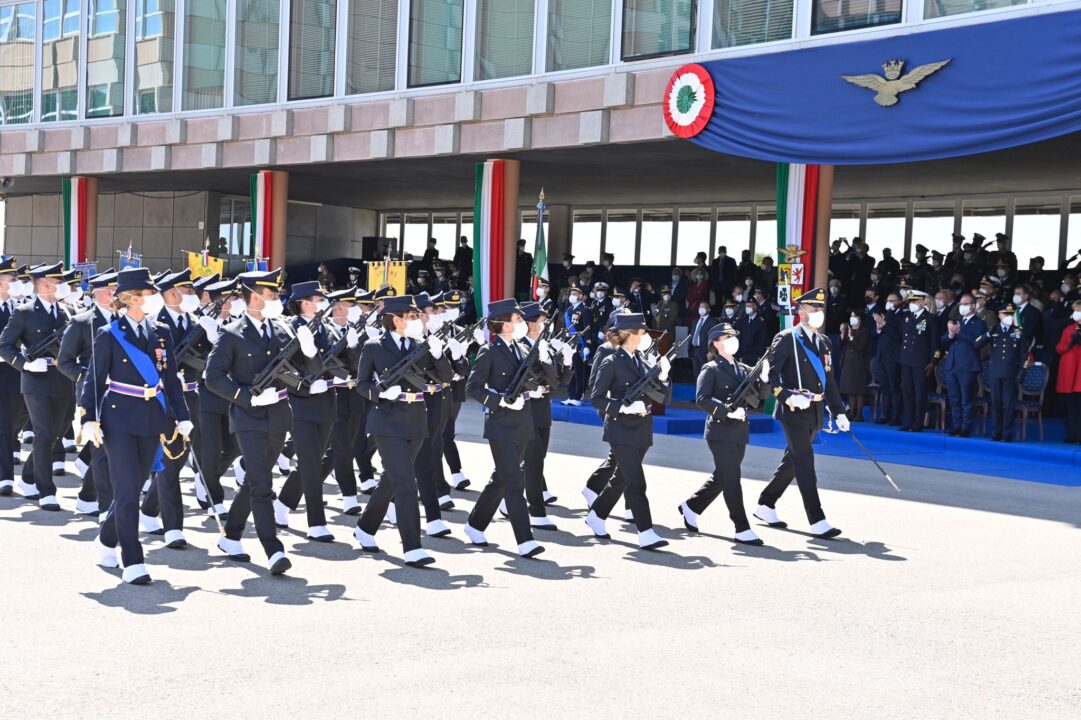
(517, 353)
(54, 311)
(139, 333)
(404, 348)
(266, 333)
(181, 324)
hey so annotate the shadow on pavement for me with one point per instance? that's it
(286, 590)
(157, 598)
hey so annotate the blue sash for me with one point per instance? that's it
(816, 361)
(568, 320)
(145, 366)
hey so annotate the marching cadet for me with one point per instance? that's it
(961, 364)
(727, 431)
(48, 393)
(801, 378)
(11, 407)
(507, 426)
(920, 333)
(261, 420)
(76, 349)
(628, 426)
(452, 302)
(398, 421)
(352, 415)
(579, 319)
(600, 477)
(371, 305)
(131, 400)
(314, 411)
(1008, 353)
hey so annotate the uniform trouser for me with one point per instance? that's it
(364, 450)
(400, 482)
(428, 465)
(914, 390)
(797, 462)
(629, 480)
(343, 437)
(533, 468)
(577, 386)
(603, 474)
(959, 387)
(130, 458)
(727, 458)
(164, 493)
(450, 447)
(260, 451)
(99, 470)
(217, 449)
(506, 484)
(47, 413)
(1003, 401)
(9, 443)
(310, 442)
(890, 391)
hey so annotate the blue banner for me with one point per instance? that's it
(1006, 83)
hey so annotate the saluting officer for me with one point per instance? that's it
(131, 400)
(801, 377)
(398, 420)
(48, 393)
(261, 420)
(1008, 353)
(11, 402)
(920, 333)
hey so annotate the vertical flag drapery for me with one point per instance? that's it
(261, 186)
(489, 241)
(75, 220)
(797, 203)
(540, 247)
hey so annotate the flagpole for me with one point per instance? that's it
(540, 252)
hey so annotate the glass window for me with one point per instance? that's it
(204, 55)
(435, 42)
(586, 236)
(529, 230)
(18, 31)
(836, 15)
(1036, 229)
(504, 39)
(311, 48)
(445, 232)
(416, 234)
(579, 32)
(60, 60)
(734, 232)
(942, 8)
(1073, 236)
(985, 217)
(619, 236)
(256, 79)
(392, 228)
(657, 228)
(765, 236)
(657, 27)
(105, 58)
(932, 225)
(373, 43)
(694, 227)
(845, 221)
(154, 43)
(746, 22)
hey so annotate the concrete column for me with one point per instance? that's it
(279, 189)
(559, 232)
(822, 226)
(511, 174)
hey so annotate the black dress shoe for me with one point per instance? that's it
(141, 580)
(203, 504)
(534, 552)
(321, 538)
(756, 542)
(656, 545)
(421, 562)
(448, 505)
(882, 421)
(280, 566)
(354, 510)
(964, 434)
(463, 484)
(5, 491)
(177, 544)
(918, 428)
(686, 524)
(52, 507)
(831, 533)
(996, 438)
(551, 500)
(953, 432)
(156, 532)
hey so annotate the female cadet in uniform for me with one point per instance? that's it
(628, 427)
(131, 397)
(727, 431)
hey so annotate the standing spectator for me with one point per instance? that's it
(919, 352)
(431, 255)
(860, 267)
(1069, 374)
(325, 277)
(888, 373)
(754, 336)
(1003, 253)
(889, 264)
(607, 273)
(463, 256)
(724, 272)
(747, 272)
(768, 275)
(961, 364)
(1003, 368)
(439, 283)
(855, 364)
(836, 310)
(679, 289)
(523, 272)
(640, 300)
(667, 316)
(699, 341)
(1029, 320)
(697, 294)
(561, 274)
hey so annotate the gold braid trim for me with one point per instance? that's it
(165, 442)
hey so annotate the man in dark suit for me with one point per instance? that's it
(562, 273)
(463, 257)
(961, 364)
(699, 341)
(523, 271)
(1003, 369)
(11, 403)
(1029, 321)
(640, 300)
(259, 420)
(887, 348)
(754, 335)
(431, 255)
(723, 271)
(47, 391)
(920, 333)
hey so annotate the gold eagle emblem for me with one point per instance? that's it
(893, 84)
(792, 253)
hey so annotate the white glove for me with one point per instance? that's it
(545, 352)
(391, 393)
(478, 336)
(435, 347)
(180, 376)
(635, 408)
(738, 414)
(600, 335)
(210, 326)
(318, 387)
(352, 339)
(666, 365)
(372, 333)
(842, 423)
(457, 349)
(568, 353)
(36, 366)
(185, 427)
(518, 404)
(307, 341)
(764, 376)
(90, 432)
(267, 397)
(557, 345)
(585, 352)
(798, 402)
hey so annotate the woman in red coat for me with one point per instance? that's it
(697, 294)
(1069, 374)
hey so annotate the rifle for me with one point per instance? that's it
(186, 351)
(280, 369)
(407, 369)
(648, 386)
(528, 376)
(740, 394)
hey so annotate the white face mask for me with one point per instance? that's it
(573, 299)
(414, 329)
(599, 296)
(1017, 299)
(729, 312)
(321, 305)
(914, 307)
(1076, 316)
(352, 314)
(903, 294)
(816, 319)
(541, 292)
(152, 304)
(834, 291)
(273, 309)
(749, 310)
(62, 291)
(1065, 289)
(75, 295)
(666, 297)
(730, 345)
(435, 322)
(940, 303)
(702, 312)
(1006, 321)
(189, 303)
(964, 309)
(1001, 272)
(237, 307)
(645, 343)
(890, 305)
(521, 329)
(616, 303)
(854, 321)
(452, 314)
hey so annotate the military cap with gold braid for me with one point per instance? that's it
(450, 298)
(256, 279)
(73, 277)
(813, 298)
(7, 265)
(174, 280)
(48, 271)
(384, 293)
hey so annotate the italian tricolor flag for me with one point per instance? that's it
(261, 187)
(490, 277)
(75, 220)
